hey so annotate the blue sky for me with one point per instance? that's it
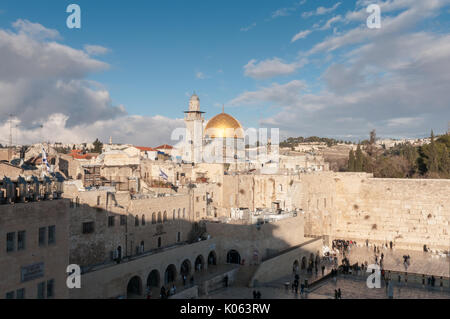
(243, 54)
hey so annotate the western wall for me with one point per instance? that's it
(355, 206)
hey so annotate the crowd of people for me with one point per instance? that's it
(164, 293)
(344, 246)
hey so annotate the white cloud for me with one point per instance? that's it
(43, 82)
(124, 129)
(331, 21)
(320, 11)
(201, 75)
(300, 35)
(281, 95)
(395, 80)
(270, 68)
(95, 49)
(245, 29)
(35, 30)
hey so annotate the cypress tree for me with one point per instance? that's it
(359, 159)
(351, 161)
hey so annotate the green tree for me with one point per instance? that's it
(351, 161)
(433, 156)
(359, 160)
(98, 146)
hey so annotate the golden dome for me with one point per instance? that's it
(224, 125)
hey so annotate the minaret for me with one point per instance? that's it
(194, 130)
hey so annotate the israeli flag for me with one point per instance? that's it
(163, 175)
(44, 160)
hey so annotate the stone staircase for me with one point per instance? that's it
(244, 275)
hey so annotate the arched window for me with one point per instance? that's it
(159, 218)
(184, 212)
(165, 217)
(154, 218)
(143, 220)
(159, 242)
(136, 221)
(174, 217)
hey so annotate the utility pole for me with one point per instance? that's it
(10, 138)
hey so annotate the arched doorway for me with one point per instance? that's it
(199, 263)
(295, 267)
(304, 262)
(212, 258)
(119, 253)
(317, 260)
(185, 269)
(233, 257)
(153, 279)
(134, 288)
(311, 260)
(170, 274)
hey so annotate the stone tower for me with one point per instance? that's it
(194, 120)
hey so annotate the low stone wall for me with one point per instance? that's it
(282, 265)
(217, 282)
(190, 293)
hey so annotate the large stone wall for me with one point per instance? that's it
(409, 212)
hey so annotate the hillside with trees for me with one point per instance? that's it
(403, 161)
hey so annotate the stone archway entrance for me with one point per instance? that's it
(170, 274)
(199, 263)
(134, 288)
(295, 267)
(304, 263)
(153, 279)
(212, 258)
(185, 269)
(233, 257)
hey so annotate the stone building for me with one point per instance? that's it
(34, 250)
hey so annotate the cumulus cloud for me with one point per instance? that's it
(284, 94)
(43, 82)
(395, 80)
(270, 68)
(139, 130)
(35, 30)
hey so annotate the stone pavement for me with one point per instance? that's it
(356, 288)
(351, 288)
(420, 262)
(266, 293)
